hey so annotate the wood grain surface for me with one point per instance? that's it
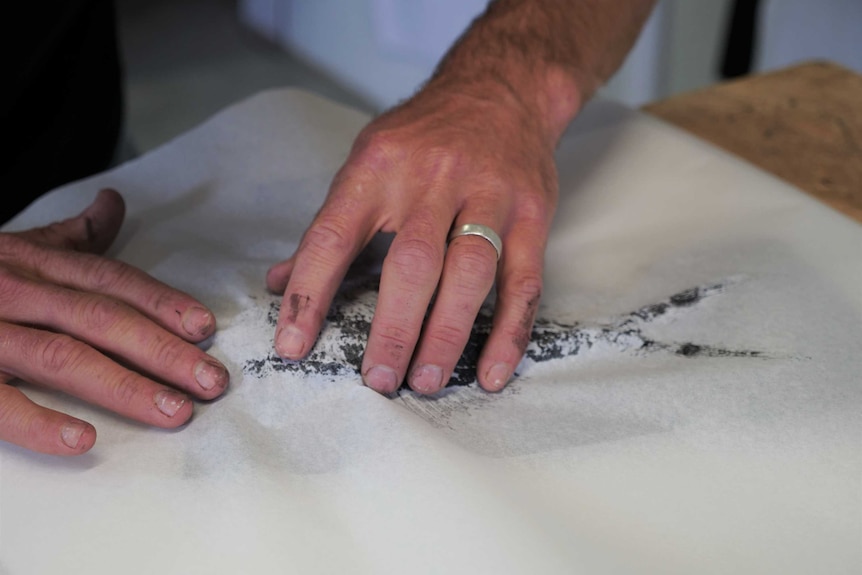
(803, 124)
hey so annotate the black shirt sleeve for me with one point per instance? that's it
(61, 111)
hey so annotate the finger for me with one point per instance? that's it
(37, 428)
(278, 276)
(60, 362)
(343, 227)
(519, 289)
(174, 310)
(119, 330)
(410, 274)
(93, 230)
(468, 275)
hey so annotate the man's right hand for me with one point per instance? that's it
(101, 330)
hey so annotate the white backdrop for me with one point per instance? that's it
(383, 49)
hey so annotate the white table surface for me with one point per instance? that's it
(693, 402)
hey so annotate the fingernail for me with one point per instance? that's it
(169, 402)
(427, 379)
(72, 432)
(210, 374)
(197, 321)
(498, 376)
(381, 378)
(290, 343)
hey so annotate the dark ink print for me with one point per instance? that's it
(338, 351)
(298, 303)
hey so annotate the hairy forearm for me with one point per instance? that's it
(547, 55)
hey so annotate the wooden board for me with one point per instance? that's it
(803, 124)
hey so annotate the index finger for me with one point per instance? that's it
(344, 225)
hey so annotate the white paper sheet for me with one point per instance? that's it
(691, 401)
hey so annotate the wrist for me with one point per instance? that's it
(549, 97)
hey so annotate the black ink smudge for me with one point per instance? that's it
(298, 304)
(349, 320)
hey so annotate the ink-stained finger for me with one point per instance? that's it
(93, 230)
(339, 232)
(519, 289)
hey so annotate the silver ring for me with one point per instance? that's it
(481, 231)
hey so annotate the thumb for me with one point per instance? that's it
(93, 230)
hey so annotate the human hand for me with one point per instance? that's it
(89, 326)
(443, 159)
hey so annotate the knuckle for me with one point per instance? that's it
(13, 247)
(97, 313)
(106, 274)
(394, 338)
(25, 254)
(58, 353)
(534, 208)
(126, 388)
(12, 285)
(440, 161)
(474, 263)
(329, 238)
(413, 255)
(493, 177)
(378, 149)
(447, 335)
(166, 351)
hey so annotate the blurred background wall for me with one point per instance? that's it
(187, 59)
(383, 49)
